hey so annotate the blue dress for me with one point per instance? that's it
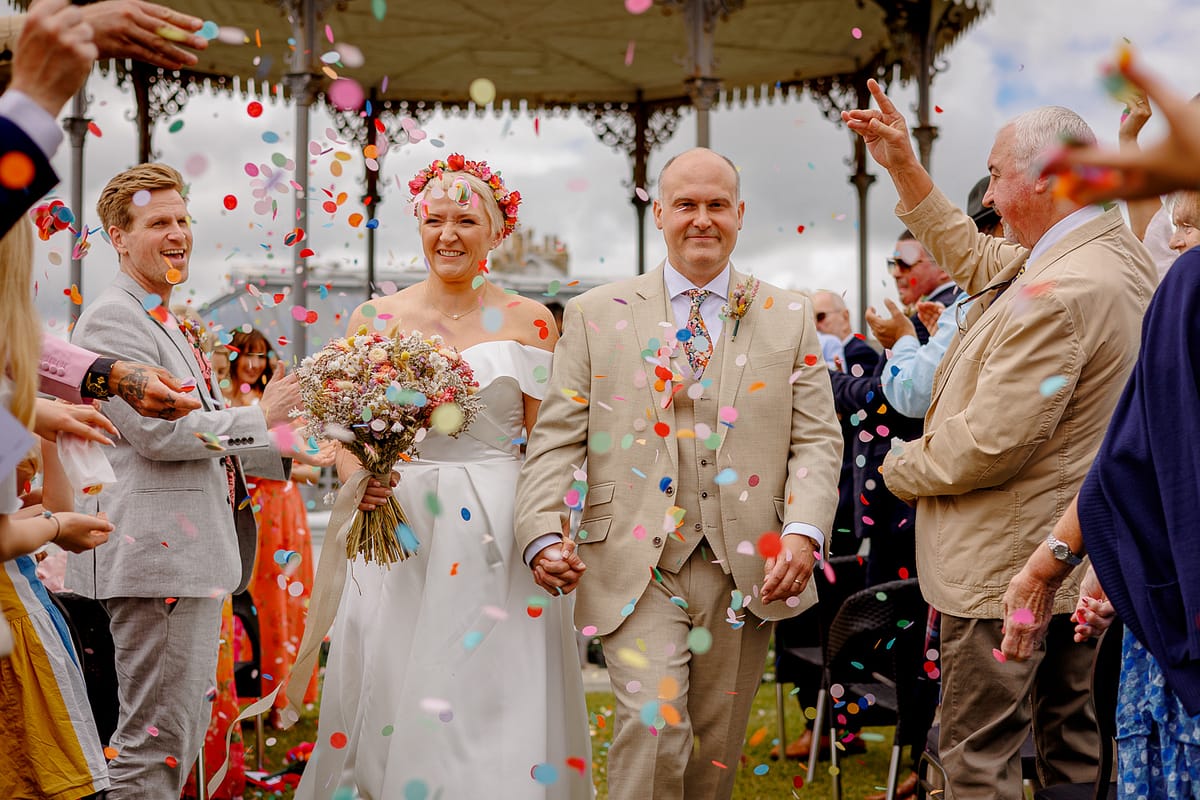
(1158, 744)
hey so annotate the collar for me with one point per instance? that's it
(1060, 229)
(948, 285)
(677, 284)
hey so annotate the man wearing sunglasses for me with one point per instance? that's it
(1020, 405)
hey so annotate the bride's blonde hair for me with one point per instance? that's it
(21, 342)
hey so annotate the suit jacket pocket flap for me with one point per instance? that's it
(779, 507)
(601, 493)
(593, 530)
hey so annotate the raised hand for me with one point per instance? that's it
(884, 130)
(930, 312)
(280, 398)
(1093, 174)
(888, 330)
(54, 54)
(144, 31)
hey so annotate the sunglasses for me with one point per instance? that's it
(896, 264)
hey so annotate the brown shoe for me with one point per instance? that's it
(906, 788)
(797, 750)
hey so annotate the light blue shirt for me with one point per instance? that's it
(908, 374)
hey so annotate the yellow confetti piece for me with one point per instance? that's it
(632, 658)
(172, 34)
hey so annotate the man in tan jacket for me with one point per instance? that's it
(706, 435)
(1020, 404)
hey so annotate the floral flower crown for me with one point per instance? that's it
(508, 201)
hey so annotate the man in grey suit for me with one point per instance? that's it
(184, 531)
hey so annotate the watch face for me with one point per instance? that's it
(1060, 550)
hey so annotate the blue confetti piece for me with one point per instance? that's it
(466, 514)
(545, 774)
(151, 302)
(683, 334)
(270, 137)
(725, 476)
(373, 224)
(408, 539)
(761, 769)
(649, 713)
(472, 640)
(1051, 385)
(664, 484)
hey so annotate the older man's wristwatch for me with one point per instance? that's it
(1062, 551)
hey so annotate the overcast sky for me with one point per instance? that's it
(793, 161)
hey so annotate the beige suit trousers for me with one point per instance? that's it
(669, 753)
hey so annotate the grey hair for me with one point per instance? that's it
(737, 176)
(1043, 128)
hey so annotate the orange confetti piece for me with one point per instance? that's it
(174, 276)
(757, 737)
(668, 688)
(159, 313)
(355, 220)
(16, 170)
(454, 568)
(670, 714)
(171, 761)
(76, 297)
(754, 387)
(111, 752)
(770, 301)
(600, 723)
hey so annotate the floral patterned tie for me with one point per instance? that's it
(697, 356)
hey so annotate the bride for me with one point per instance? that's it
(452, 674)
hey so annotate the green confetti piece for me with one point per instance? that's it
(176, 126)
(600, 442)
(379, 8)
(699, 640)
(433, 503)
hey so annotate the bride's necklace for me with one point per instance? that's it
(455, 317)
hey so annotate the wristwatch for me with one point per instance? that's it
(1062, 551)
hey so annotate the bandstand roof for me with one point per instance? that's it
(576, 53)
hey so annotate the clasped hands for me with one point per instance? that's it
(1028, 607)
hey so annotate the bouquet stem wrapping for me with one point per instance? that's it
(376, 535)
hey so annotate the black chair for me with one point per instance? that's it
(800, 641)
(247, 674)
(1106, 685)
(875, 657)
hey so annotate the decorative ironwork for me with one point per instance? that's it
(167, 93)
(616, 125)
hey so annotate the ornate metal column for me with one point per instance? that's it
(923, 32)
(302, 85)
(77, 127)
(862, 181)
(158, 95)
(637, 130)
(379, 124)
(700, 22)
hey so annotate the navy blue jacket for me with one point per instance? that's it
(1138, 506)
(16, 201)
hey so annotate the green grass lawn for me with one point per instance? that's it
(861, 774)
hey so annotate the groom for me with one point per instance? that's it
(704, 436)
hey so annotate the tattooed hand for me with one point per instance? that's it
(151, 391)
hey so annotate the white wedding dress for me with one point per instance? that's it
(453, 674)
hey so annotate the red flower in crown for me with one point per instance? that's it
(506, 200)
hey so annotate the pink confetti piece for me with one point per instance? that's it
(1022, 616)
(629, 53)
(999, 656)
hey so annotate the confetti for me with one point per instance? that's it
(16, 170)
(482, 91)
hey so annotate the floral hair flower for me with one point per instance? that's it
(740, 300)
(508, 201)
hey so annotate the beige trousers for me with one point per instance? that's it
(681, 714)
(988, 706)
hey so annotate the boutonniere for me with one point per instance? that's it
(740, 300)
(193, 331)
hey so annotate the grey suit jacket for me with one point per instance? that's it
(175, 532)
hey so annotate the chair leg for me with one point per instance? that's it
(260, 747)
(834, 768)
(201, 777)
(814, 752)
(779, 719)
(893, 771)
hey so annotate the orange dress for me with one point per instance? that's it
(282, 581)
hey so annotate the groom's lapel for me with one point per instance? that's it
(735, 351)
(649, 308)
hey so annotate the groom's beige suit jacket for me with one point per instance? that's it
(783, 450)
